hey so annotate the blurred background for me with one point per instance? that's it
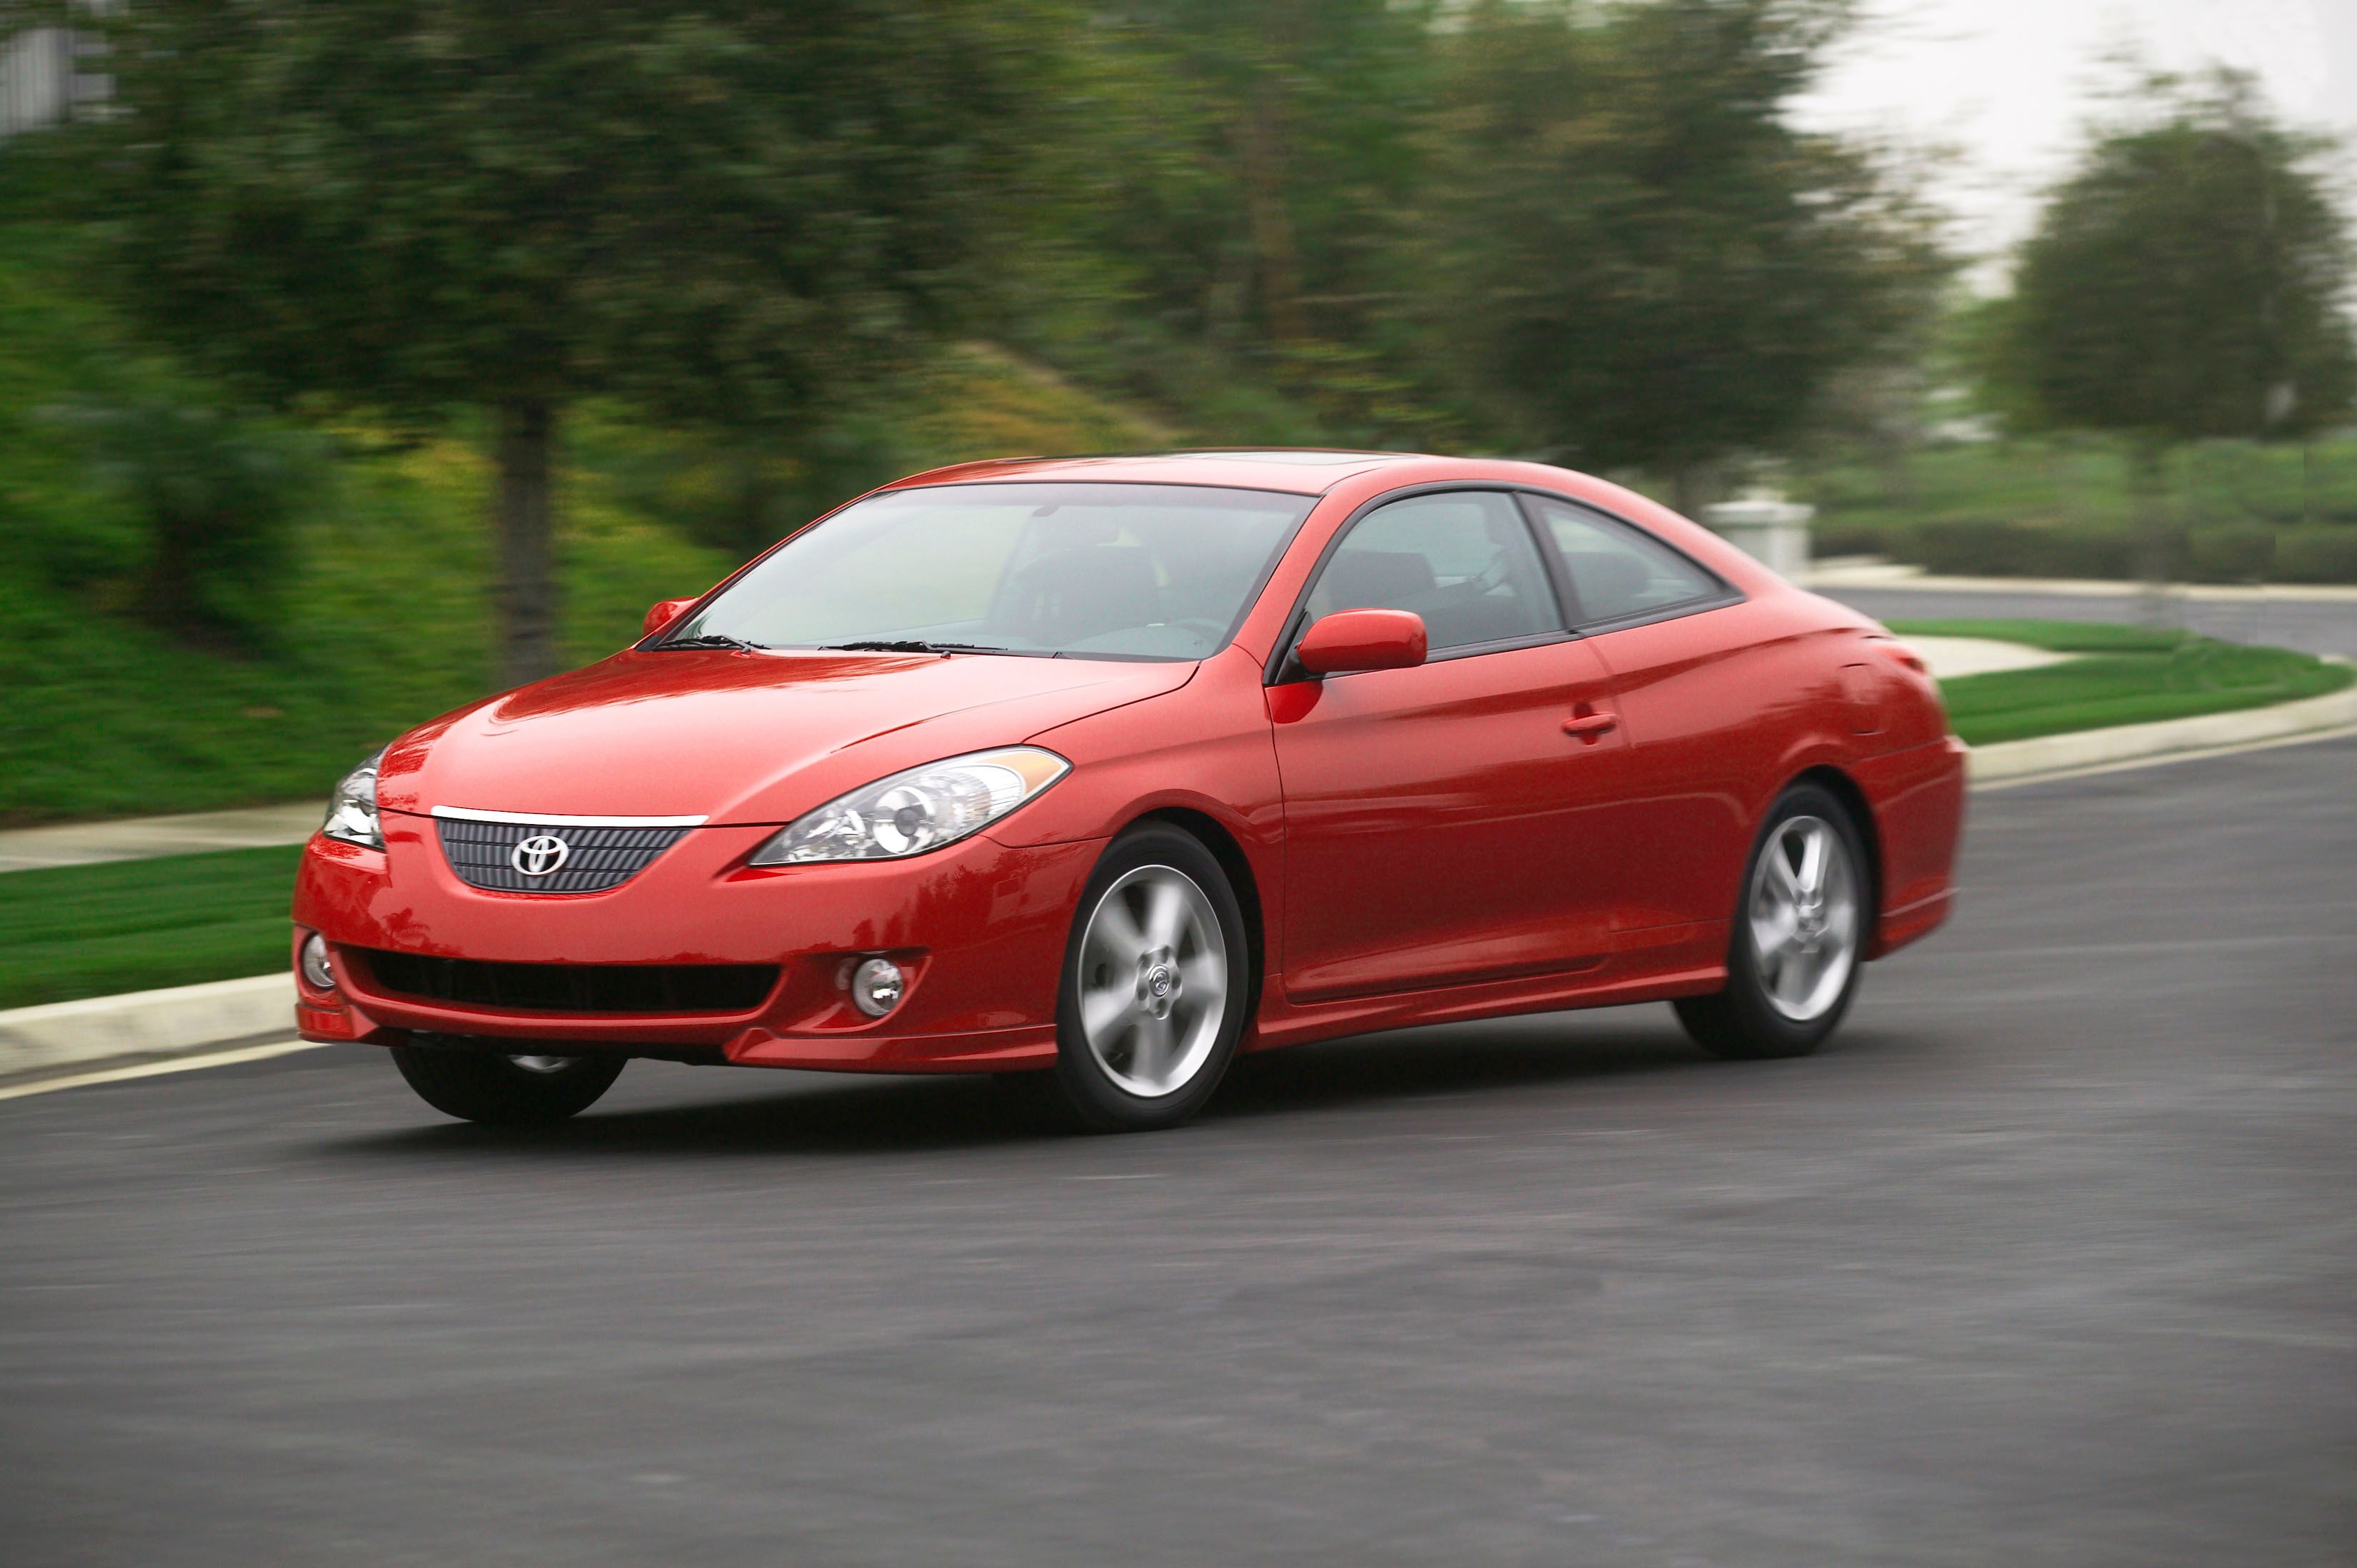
(358, 359)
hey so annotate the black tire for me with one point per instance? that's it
(1744, 1021)
(486, 1086)
(1088, 1088)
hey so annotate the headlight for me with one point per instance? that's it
(920, 809)
(351, 810)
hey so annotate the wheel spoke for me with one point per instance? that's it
(1166, 917)
(1116, 931)
(1103, 1008)
(1809, 878)
(1773, 933)
(1782, 879)
(1205, 973)
(1150, 1052)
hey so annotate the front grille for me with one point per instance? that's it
(596, 858)
(573, 987)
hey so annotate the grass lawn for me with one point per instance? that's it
(2124, 675)
(135, 925)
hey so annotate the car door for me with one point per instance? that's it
(1690, 694)
(1443, 824)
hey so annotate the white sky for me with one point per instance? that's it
(2008, 84)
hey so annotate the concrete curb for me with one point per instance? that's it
(144, 1024)
(2020, 760)
(186, 1020)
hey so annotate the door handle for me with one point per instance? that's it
(1590, 727)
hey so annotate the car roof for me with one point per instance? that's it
(1307, 471)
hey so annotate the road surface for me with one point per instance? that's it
(2050, 1258)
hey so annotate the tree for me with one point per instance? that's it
(727, 213)
(2185, 283)
(1235, 176)
(1637, 258)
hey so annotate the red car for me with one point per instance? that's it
(1108, 769)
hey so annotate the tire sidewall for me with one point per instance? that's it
(1745, 990)
(1101, 1104)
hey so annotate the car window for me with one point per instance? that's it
(1464, 561)
(1617, 570)
(1131, 571)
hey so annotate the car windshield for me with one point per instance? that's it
(1115, 571)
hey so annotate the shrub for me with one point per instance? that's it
(1981, 547)
(2237, 553)
(216, 497)
(2325, 554)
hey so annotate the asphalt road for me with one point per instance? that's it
(2051, 1259)
(2312, 626)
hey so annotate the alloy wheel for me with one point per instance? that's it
(1153, 980)
(1804, 915)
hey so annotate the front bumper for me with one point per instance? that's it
(979, 928)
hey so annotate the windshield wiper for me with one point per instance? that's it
(910, 645)
(711, 640)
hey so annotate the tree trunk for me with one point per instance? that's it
(527, 586)
(1269, 219)
(1690, 487)
(2146, 487)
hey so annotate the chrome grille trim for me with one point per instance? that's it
(552, 819)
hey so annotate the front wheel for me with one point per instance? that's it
(505, 1091)
(1156, 977)
(1792, 960)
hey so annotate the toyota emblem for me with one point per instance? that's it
(540, 854)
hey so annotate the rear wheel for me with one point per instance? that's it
(1792, 960)
(1156, 974)
(506, 1090)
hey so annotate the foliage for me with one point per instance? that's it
(2185, 282)
(1639, 258)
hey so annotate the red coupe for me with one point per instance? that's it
(1108, 769)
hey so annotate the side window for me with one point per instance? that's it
(1464, 561)
(1617, 570)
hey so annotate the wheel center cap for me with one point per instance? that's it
(1159, 980)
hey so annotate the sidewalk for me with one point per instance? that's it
(1874, 571)
(144, 838)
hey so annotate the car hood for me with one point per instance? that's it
(740, 738)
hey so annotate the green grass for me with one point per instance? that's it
(134, 925)
(2124, 675)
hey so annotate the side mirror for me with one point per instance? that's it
(665, 612)
(1349, 640)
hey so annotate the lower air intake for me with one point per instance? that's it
(573, 987)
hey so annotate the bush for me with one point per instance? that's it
(2316, 555)
(2237, 553)
(1980, 547)
(1851, 539)
(216, 497)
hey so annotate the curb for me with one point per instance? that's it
(177, 1021)
(2023, 759)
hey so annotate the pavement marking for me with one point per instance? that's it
(156, 1068)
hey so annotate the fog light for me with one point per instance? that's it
(318, 973)
(876, 987)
